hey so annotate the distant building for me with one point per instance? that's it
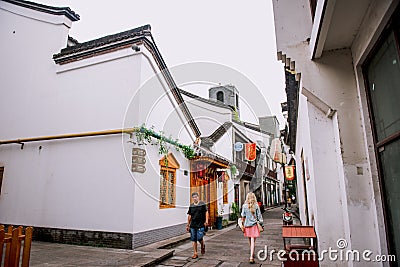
(226, 94)
(222, 129)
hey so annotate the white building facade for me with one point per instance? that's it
(341, 63)
(70, 117)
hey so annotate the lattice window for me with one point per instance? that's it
(168, 168)
(167, 187)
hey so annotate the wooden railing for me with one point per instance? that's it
(13, 240)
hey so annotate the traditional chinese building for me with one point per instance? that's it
(341, 63)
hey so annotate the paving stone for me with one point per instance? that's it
(226, 247)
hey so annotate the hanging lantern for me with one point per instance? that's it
(200, 168)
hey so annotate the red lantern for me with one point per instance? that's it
(200, 170)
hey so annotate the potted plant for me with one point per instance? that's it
(219, 216)
(234, 215)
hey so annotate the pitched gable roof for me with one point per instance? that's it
(137, 36)
(210, 140)
(101, 45)
(66, 11)
(205, 100)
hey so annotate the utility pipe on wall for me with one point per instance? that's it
(66, 136)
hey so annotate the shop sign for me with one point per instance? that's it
(250, 151)
(276, 150)
(138, 160)
(138, 168)
(238, 146)
(289, 172)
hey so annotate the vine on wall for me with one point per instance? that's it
(145, 136)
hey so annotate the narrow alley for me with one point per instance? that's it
(228, 247)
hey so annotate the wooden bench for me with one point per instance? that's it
(12, 241)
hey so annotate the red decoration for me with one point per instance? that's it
(200, 170)
(250, 151)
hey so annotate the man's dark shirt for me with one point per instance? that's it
(198, 213)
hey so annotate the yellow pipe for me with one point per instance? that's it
(65, 136)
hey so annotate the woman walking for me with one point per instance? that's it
(251, 214)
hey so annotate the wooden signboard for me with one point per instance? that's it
(138, 168)
(138, 160)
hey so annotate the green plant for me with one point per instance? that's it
(233, 170)
(144, 137)
(235, 211)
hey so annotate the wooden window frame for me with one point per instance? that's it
(391, 28)
(168, 164)
(169, 184)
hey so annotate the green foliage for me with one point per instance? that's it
(236, 115)
(233, 170)
(235, 211)
(144, 136)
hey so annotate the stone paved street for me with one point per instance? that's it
(228, 247)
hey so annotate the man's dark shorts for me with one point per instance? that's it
(196, 234)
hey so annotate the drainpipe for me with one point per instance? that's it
(67, 136)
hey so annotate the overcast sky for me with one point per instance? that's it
(234, 33)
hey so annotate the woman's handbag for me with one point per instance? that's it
(260, 227)
(259, 224)
(240, 223)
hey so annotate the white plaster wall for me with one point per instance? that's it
(76, 183)
(224, 146)
(71, 184)
(253, 135)
(332, 79)
(147, 214)
(208, 117)
(79, 183)
(154, 106)
(328, 209)
(292, 24)
(26, 65)
(303, 143)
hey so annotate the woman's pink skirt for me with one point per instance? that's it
(251, 231)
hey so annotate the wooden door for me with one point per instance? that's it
(213, 209)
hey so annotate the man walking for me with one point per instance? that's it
(197, 220)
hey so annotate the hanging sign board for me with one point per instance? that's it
(289, 173)
(138, 168)
(250, 151)
(276, 150)
(138, 160)
(138, 152)
(238, 146)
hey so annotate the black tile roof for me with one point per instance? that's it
(109, 39)
(140, 36)
(72, 40)
(216, 135)
(66, 11)
(292, 96)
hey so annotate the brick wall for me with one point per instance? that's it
(152, 236)
(80, 237)
(106, 239)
